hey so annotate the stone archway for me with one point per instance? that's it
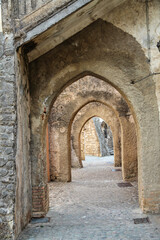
(117, 58)
(107, 114)
(115, 53)
(68, 104)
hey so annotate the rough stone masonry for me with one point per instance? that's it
(45, 46)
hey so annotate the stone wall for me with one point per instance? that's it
(15, 168)
(95, 144)
(90, 146)
(124, 52)
(8, 125)
(7, 135)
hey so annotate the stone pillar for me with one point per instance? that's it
(60, 166)
(40, 195)
(82, 147)
(116, 132)
(129, 148)
(47, 151)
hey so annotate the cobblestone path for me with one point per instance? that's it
(93, 207)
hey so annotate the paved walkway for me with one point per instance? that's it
(94, 207)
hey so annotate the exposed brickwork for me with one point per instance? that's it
(40, 201)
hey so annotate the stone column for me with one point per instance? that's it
(129, 148)
(60, 168)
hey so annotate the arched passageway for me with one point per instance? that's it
(108, 115)
(100, 54)
(61, 119)
(45, 51)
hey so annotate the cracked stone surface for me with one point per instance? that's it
(93, 207)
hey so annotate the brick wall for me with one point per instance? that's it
(40, 201)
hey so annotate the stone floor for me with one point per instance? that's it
(93, 207)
